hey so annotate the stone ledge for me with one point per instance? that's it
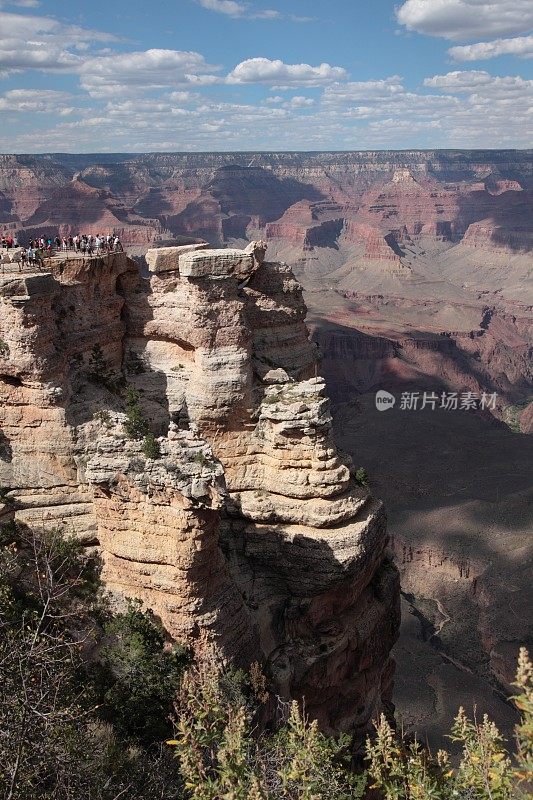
(24, 287)
(167, 259)
(217, 263)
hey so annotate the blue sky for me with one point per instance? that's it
(195, 75)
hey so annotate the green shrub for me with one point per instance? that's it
(222, 754)
(85, 701)
(272, 399)
(53, 744)
(99, 370)
(150, 447)
(140, 675)
(104, 417)
(361, 477)
(4, 348)
(136, 425)
(511, 415)
(485, 771)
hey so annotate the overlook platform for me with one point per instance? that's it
(62, 270)
(10, 260)
(64, 267)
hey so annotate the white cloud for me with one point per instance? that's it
(182, 97)
(229, 7)
(232, 8)
(358, 91)
(122, 74)
(43, 43)
(404, 125)
(301, 102)
(466, 19)
(36, 101)
(487, 114)
(476, 80)
(277, 73)
(521, 46)
(269, 13)
(459, 81)
(174, 100)
(462, 109)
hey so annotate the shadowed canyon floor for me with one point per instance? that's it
(458, 489)
(461, 521)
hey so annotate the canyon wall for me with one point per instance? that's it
(318, 199)
(236, 519)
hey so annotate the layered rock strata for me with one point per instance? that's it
(236, 519)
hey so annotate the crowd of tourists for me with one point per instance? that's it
(46, 246)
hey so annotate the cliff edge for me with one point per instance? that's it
(240, 522)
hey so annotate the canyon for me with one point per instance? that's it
(416, 272)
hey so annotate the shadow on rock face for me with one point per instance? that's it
(327, 613)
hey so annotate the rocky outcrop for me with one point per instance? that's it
(236, 519)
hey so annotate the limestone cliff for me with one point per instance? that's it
(245, 524)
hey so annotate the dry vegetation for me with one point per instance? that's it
(102, 707)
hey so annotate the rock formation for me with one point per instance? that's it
(236, 518)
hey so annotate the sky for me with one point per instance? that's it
(230, 75)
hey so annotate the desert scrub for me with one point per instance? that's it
(511, 415)
(292, 399)
(307, 399)
(485, 771)
(140, 675)
(271, 399)
(57, 741)
(103, 417)
(222, 754)
(361, 477)
(136, 426)
(174, 470)
(99, 370)
(150, 447)
(4, 348)
(199, 458)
